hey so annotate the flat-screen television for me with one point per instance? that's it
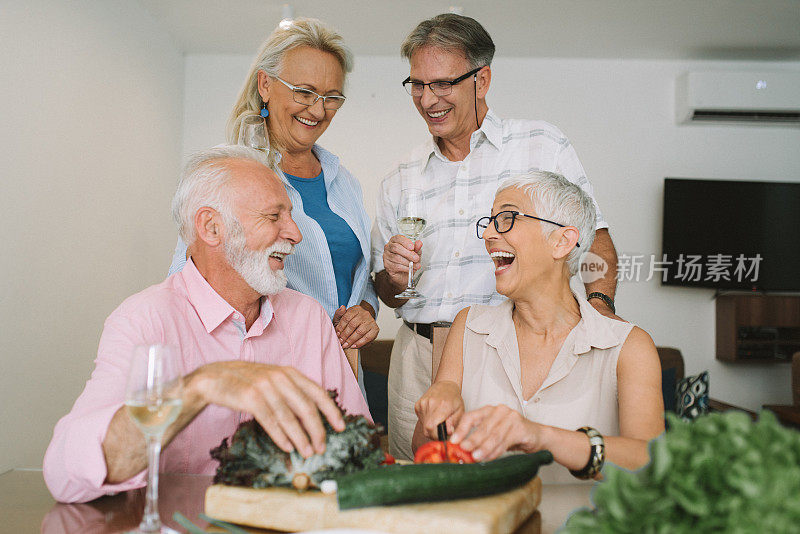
(732, 235)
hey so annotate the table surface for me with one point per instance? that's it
(27, 506)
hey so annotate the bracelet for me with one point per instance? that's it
(597, 454)
(605, 298)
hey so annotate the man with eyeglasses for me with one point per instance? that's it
(459, 168)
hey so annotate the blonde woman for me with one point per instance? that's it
(297, 81)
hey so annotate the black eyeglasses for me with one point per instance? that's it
(504, 221)
(307, 97)
(441, 88)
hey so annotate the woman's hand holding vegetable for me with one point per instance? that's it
(490, 431)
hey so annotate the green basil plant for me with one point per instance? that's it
(720, 473)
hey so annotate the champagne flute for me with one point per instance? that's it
(253, 133)
(153, 400)
(411, 221)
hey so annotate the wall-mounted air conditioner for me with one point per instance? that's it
(721, 96)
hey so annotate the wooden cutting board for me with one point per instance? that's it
(288, 510)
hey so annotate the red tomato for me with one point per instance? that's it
(433, 452)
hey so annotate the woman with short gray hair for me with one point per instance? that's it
(296, 82)
(544, 370)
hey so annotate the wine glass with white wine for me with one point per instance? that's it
(411, 221)
(153, 400)
(253, 133)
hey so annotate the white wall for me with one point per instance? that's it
(94, 123)
(90, 132)
(618, 114)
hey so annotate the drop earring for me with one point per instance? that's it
(264, 110)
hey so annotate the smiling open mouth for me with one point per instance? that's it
(306, 121)
(502, 259)
(438, 114)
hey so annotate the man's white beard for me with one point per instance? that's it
(253, 266)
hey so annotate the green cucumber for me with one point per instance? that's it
(396, 484)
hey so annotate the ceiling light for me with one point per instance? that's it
(287, 17)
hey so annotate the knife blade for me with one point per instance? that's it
(441, 430)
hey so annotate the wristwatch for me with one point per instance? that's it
(605, 298)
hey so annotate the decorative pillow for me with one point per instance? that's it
(691, 396)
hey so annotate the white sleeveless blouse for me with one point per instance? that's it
(580, 389)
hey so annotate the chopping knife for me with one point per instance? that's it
(441, 429)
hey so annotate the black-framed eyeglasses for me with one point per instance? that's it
(504, 221)
(440, 88)
(307, 97)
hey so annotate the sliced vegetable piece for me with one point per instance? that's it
(435, 452)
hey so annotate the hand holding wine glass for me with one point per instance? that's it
(153, 401)
(411, 221)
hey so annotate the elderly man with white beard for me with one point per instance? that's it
(248, 345)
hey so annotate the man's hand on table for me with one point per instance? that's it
(283, 401)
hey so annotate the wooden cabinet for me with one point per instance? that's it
(758, 328)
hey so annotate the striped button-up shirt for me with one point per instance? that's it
(309, 269)
(456, 270)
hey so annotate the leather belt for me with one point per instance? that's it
(426, 329)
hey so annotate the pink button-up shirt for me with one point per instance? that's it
(185, 311)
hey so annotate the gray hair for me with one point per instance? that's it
(452, 32)
(204, 182)
(301, 32)
(559, 200)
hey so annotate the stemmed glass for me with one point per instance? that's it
(253, 133)
(411, 221)
(153, 400)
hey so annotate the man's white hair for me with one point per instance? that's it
(204, 182)
(557, 199)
